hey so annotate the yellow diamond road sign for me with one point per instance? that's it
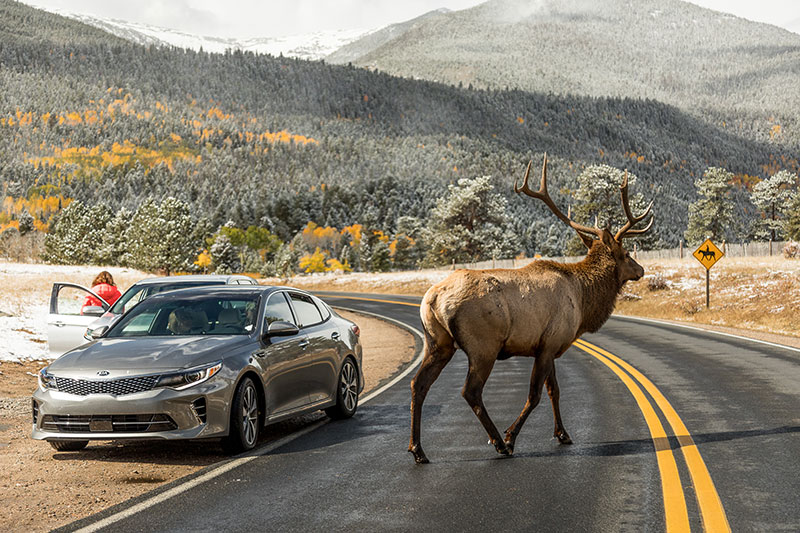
(708, 254)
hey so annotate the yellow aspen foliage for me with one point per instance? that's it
(334, 265)
(355, 233)
(314, 262)
(203, 260)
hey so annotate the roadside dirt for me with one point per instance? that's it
(43, 489)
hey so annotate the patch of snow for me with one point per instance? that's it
(24, 337)
(312, 46)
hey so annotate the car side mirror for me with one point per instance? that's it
(93, 310)
(96, 333)
(280, 328)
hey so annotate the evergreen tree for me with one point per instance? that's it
(470, 224)
(223, 255)
(711, 216)
(113, 243)
(774, 196)
(161, 237)
(381, 260)
(598, 200)
(71, 235)
(25, 222)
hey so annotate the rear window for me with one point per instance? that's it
(305, 309)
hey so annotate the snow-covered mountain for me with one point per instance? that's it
(308, 46)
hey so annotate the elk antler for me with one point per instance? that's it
(626, 231)
(543, 195)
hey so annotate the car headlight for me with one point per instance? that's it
(188, 378)
(47, 381)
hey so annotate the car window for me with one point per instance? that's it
(307, 312)
(190, 315)
(323, 308)
(278, 309)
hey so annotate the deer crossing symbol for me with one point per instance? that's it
(708, 253)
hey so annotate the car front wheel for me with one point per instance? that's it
(346, 392)
(245, 424)
(69, 445)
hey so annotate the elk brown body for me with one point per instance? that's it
(535, 311)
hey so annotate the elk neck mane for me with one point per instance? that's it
(599, 283)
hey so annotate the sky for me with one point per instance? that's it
(272, 18)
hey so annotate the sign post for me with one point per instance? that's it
(708, 254)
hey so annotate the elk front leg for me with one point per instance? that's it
(552, 389)
(473, 393)
(542, 368)
(430, 368)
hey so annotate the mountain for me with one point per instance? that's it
(668, 50)
(313, 46)
(278, 141)
(364, 45)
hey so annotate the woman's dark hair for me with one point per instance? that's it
(104, 277)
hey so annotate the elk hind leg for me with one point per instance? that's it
(479, 370)
(542, 369)
(552, 390)
(437, 355)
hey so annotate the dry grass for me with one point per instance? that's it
(761, 294)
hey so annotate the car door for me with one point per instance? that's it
(322, 351)
(284, 360)
(69, 316)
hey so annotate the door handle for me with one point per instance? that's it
(304, 344)
(59, 324)
(335, 335)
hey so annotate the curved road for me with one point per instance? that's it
(674, 429)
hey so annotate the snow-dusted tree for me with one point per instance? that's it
(223, 255)
(711, 216)
(70, 239)
(161, 237)
(598, 198)
(774, 197)
(381, 257)
(25, 222)
(113, 245)
(470, 223)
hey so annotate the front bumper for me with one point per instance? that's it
(161, 413)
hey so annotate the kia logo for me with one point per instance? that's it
(102, 373)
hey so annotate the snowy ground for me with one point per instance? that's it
(24, 300)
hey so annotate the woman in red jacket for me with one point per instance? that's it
(104, 286)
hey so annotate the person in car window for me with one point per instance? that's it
(104, 286)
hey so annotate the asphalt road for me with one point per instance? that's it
(739, 401)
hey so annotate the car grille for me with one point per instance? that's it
(117, 387)
(108, 423)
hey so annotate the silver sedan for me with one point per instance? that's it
(200, 363)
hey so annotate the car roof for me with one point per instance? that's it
(194, 278)
(224, 290)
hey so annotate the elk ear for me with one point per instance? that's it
(587, 240)
(608, 239)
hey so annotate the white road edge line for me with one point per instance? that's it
(695, 328)
(239, 461)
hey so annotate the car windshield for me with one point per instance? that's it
(139, 292)
(190, 315)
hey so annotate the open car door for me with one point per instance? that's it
(70, 314)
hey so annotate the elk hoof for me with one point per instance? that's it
(503, 448)
(419, 455)
(510, 442)
(562, 437)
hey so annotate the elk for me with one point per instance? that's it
(535, 311)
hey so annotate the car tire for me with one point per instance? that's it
(346, 392)
(245, 420)
(69, 445)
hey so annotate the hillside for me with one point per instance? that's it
(281, 142)
(668, 50)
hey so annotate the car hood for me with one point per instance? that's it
(141, 355)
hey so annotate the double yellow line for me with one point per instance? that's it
(677, 516)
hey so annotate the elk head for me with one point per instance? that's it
(598, 240)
